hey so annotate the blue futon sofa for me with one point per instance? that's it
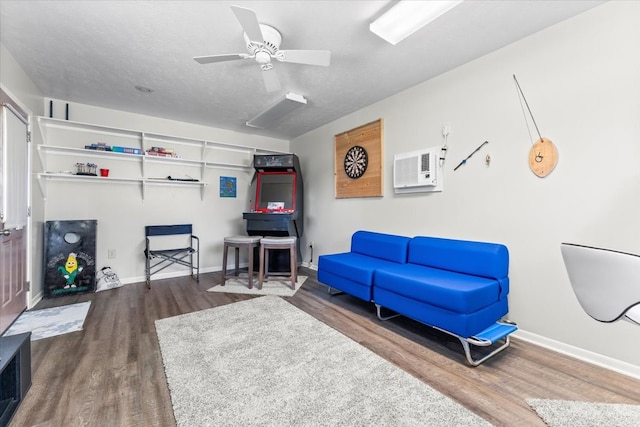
(457, 286)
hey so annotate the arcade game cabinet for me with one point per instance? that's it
(277, 209)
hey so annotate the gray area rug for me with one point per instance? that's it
(263, 362)
(50, 322)
(565, 413)
(280, 288)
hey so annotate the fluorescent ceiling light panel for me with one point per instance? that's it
(407, 17)
(277, 110)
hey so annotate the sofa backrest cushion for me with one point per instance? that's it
(384, 246)
(477, 258)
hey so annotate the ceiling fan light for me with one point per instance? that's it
(277, 110)
(407, 17)
(263, 57)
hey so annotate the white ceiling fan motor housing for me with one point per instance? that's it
(270, 44)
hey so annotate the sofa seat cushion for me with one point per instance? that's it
(457, 292)
(353, 266)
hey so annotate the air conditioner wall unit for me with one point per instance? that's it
(417, 171)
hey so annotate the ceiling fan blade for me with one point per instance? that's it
(271, 81)
(249, 22)
(220, 58)
(309, 57)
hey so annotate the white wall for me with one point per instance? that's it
(120, 209)
(581, 79)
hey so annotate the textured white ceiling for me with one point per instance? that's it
(95, 52)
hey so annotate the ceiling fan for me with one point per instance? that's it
(263, 44)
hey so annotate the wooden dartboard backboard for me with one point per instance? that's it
(369, 137)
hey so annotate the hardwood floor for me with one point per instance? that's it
(111, 373)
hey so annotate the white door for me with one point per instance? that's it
(14, 149)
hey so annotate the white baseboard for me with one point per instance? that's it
(170, 275)
(35, 299)
(173, 274)
(580, 354)
(310, 266)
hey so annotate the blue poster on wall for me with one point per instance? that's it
(227, 186)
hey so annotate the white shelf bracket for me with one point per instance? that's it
(42, 183)
(42, 157)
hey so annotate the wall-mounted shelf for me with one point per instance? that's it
(68, 138)
(143, 182)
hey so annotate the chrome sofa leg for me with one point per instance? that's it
(332, 293)
(500, 331)
(475, 362)
(381, 317)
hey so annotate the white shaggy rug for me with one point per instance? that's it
(568, 413)
(50, 322)
(280, 288)
(264, 362)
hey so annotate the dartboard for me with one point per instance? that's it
(355, 162)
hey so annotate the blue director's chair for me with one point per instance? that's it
(165, 246)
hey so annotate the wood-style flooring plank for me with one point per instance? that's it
(111, 373)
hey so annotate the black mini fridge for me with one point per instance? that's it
(69, 257)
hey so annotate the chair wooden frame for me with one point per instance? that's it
(157, 260)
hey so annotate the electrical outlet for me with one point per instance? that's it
(111, 254)
(311, 244)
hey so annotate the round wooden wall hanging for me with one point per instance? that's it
(543, 157)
